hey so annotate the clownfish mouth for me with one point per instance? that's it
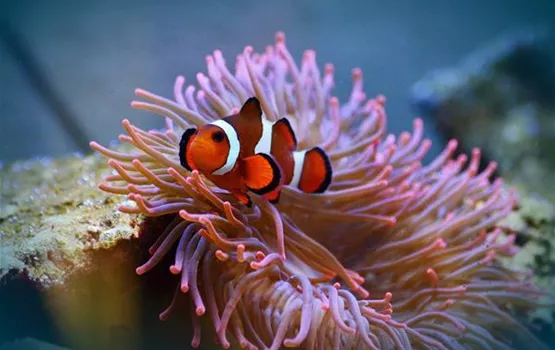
(201, 147)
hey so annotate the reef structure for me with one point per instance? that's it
(395, 255)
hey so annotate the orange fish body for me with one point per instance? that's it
(246, 152)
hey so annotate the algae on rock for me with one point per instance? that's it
(534, 223)
(58, 230)
(52, 215)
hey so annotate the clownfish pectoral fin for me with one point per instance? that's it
(251, 109)
(261, 173)
(273, 196)
(243, 198)
(316, 171)
(283, 129)
(184, 154)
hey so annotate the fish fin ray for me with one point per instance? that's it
(261, 173)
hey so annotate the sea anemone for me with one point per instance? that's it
(422, 240)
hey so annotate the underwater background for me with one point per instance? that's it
(480, 71)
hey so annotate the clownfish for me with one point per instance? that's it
(247, 152)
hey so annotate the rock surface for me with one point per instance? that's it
(59, 233)
(534, 223)
(52, 216)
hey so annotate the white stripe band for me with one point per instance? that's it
(264, 145)
(298, 157)
(234, 146)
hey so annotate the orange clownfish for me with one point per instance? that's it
(246, 152)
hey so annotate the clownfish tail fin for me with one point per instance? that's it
(184, 154)
(261, 173)
(314, 173)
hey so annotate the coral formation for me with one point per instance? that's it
(422, 240)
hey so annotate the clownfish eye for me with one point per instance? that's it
(218, 136)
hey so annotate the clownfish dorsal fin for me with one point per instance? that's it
(261, 173)
(312, 171)
(184, 155)
(251, 110)
(282, 128)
